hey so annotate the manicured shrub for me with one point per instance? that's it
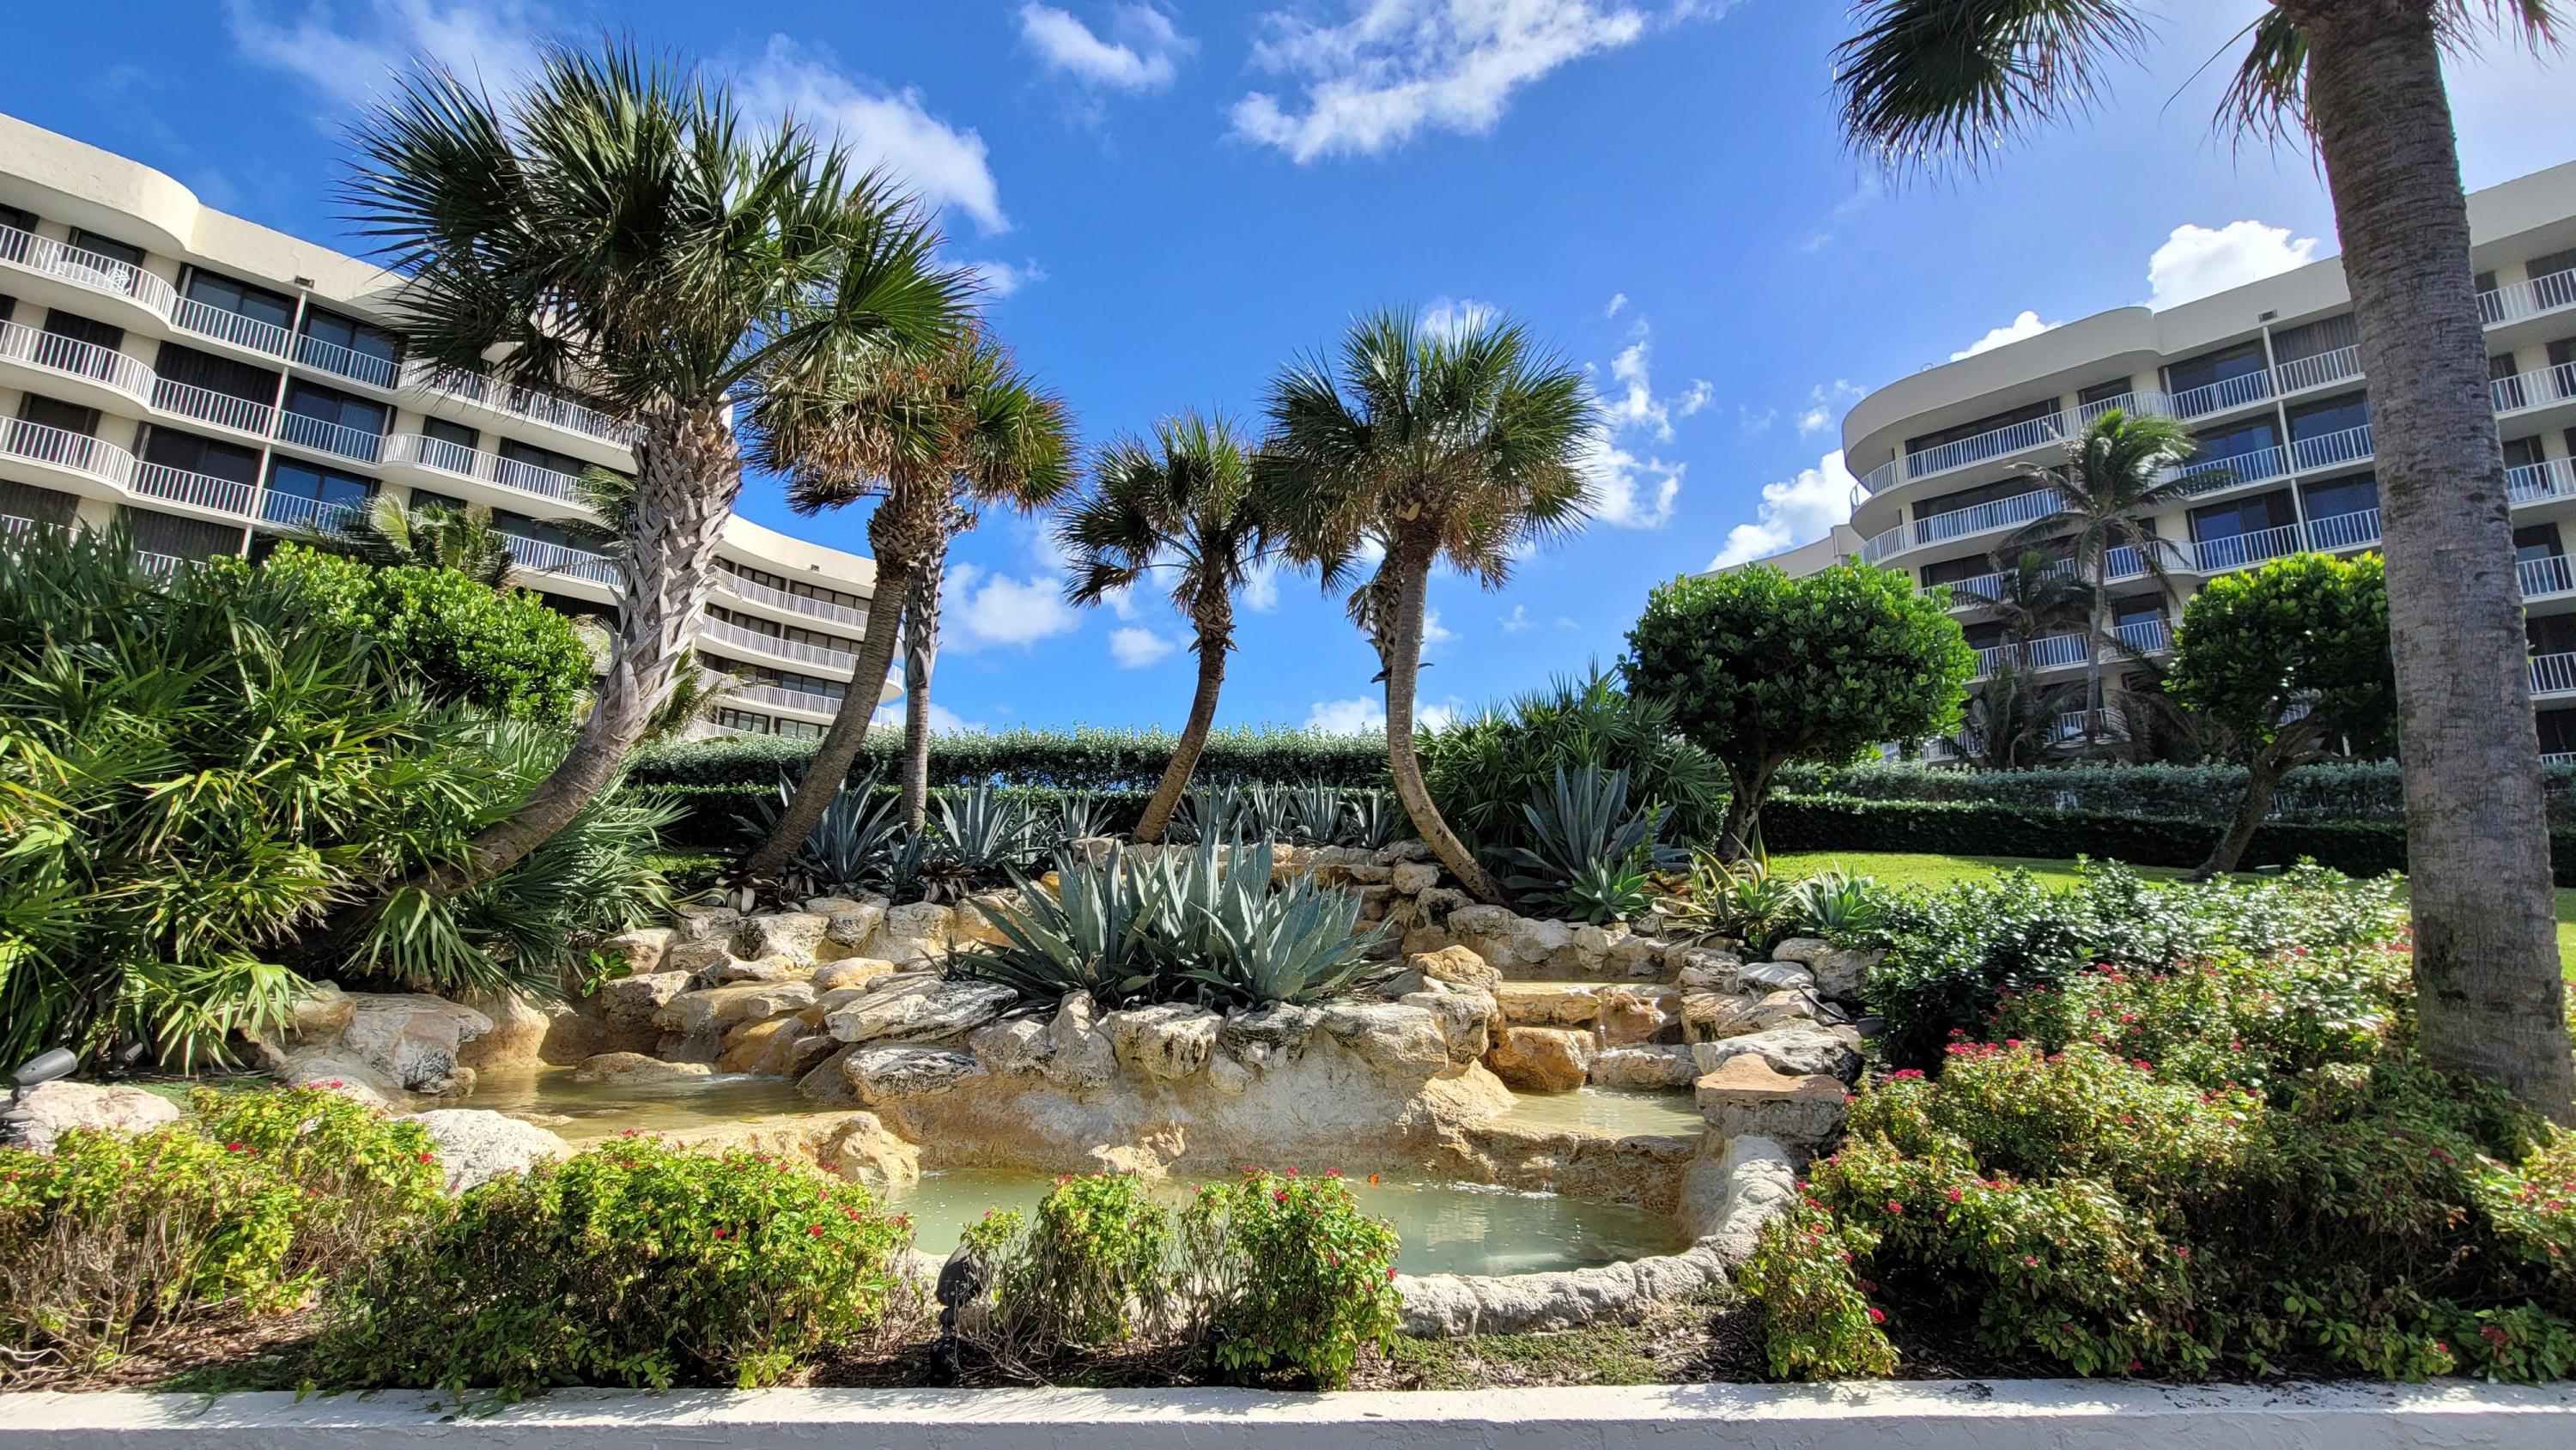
(367, 1176)
(1091, 1266)
(1816, 1322)
(1482, 769)
(1081, 759)
(2343, 790)
(116, 1240)
(632, 1263)
(1298, 1278)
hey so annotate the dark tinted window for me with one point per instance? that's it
(1988, 424)
(217, 290)
(90, 241)
(349, 332)
(2245, 516)
(2214, 367)
(2328, 334)
(422, 498)
(2338, 415)
(2342, 496)
(190, 453)
(2238, 441)
(537, 457)
(155, 532)
(44, 505)
(447, 432)
(333, 406)
(84, 329)
(2104, 392)
(298, 479)
(17, 217)
(55, 413)
(2535, 541)
(234, 379)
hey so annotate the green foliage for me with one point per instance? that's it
(501, 650)
(1583, 835)
(1761, 669)
(1740, 900)
(632, 1263)
(366, 1176)
(1298, 1278)
(1084, 759)
(1092, 1266)
(2343, 790)
(1482, 769)
(114, 1240)
(1816, 1322)
(1839, 906)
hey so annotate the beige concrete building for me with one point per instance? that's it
(212, 384)
(2269, 380)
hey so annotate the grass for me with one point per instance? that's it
(1903, 869)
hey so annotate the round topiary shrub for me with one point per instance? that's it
(1297, 1277)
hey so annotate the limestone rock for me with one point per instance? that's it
(1730, 1195)
(1078, 1053)
(850, 972)
(319, 1012)
(851, 927)
(1271, 1035)
(340, 1075)
(412, 1040)
(1227, 1074)
(749, 1043)
(1710, 969)
(704, 923)
(919, 1009)
(1638, 958)
(1634, 1014)
(1841, 974)
(636, 1067)
(1540, 1059)
(1645, 1068)
(517, 1041)
(915, 934)
(698, 958)
(1399, 1040)
(54, 1107)
(1745, 1097)
(862, 1149)
(476, 1146)
(1804, 950)
(1457, 966)
(642, 950)
(1403, 851)
(1465, 1019)
(1797, 1051)
(1780, 976)
(1710, 1017)
(1412, 878)
(972, 924)
(633, 1002)
(758, 969)
(887, 1074)
(1019, 1044)
(828, 906)
(693, 1014)
(1170, 1041)
(790, 934)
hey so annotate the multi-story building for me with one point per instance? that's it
(213, 385)
(2268, 378)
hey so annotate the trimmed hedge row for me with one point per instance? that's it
(709, 814)
(1081, 759)
(2367, 790)
(1976, 828)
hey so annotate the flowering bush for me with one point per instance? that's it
(1090, 1266)
(1297, 1277)
(365, 1176)
(116, 1238)
(632, 1263)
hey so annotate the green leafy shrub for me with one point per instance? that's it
(1481, 769)
(1583, 831)
(1816, 1322)
(1090, 1267)
(632, 1263)
(1297, 1278)
(367, 1176)
(2343, 790)
(115, 1240)
(1087, 759)
(1739, 900)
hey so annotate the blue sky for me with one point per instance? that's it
(1172, 198)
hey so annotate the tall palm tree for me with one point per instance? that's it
(432, 536)
(1923, 81)
(615, 228)
(920, 659)
(1192, 502)
(2034, 591)
(2012, 722)
(1427, 445)
(930, 434)
(2116, 476)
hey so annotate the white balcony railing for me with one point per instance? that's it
(2302, 373)
(758, 593)
(2136, 405)
(2547, 575)
(1978, 518)
(520, 402)
(295, 511)
(1995, 443)
(71, 357)
(164, 567)
(224, 410)
(455, 458)
(2216, 556)
(783, 698)
(2331, 450)
(2205, 475)
(328, 437)
(776, 648)
(177, 485)
(2219, 396)
(1886, 476)
(77, 452)
(2045, 653)
(2553, 674)
(2535, 389)
(225, 325)
(546, 557)
(2547, 479)
(2338, 532)
(68, 263)
(1984, 587)
(324, 355)
(2515, 301)
(2145, 636)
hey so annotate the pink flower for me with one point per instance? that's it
(724, 1233)
(1954, 1195)
(815, 1229)
(1895, 1207)
(1877, 1315)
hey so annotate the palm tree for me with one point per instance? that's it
(920, 658)
(2012, 722)
(2117, 475)
(1192, 502)
(1459, 446)
(1923, 81)
(614, 228)
(432, 536)
(930, 434)
(2034, 591)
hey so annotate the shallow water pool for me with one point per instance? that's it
(581, 1111)
(1610, 1110)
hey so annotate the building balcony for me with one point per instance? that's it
(324, 356)
(196, 490)
(224, 325)
(2553, 674)
(753, 592)
(778, 697)
(534, 405)
(2533, 297)
(76, 453)
(437, 455)
(2545, 577)
(816, 656)
(542, 556)
(2048, 652)
(2236, 470)
(2538, 388)
(335, 439)
(2220, 396)
(2321, 370)
(2144, 636)
(63, 263)
(2331, 450)
(2539, 482)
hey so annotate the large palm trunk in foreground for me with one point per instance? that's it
(1214, 639)
(1411, 562)
(2486, 961)
(687, 476)
(839, 749)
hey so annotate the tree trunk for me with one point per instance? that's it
(840, 746)
(1214, 639)
(2486, 961)
(1410, 560)
(2262, 776)
(1735, 835)
(920, 652)
(2093, 650)
(688, 472)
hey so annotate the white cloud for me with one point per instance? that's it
(1792, 512)
(1135, 647)
(1261, 587)
(1367, 712)
(1001, 279)
(1450, 317)
(2026, 325)
(1629, 492)
(2198, 261)
(943, 721)
(1392, 69)
(348, 51)
(1753, 422)
(1617, 301)
(1634, 403)
(1517, 620)
(1143, 53)
(1433, 631)
(983, 608)
(1828, 401)
(944, 166)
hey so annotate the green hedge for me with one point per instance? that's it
(1080, 759)
(2368, 790)
(708, 813)
(1974, 828)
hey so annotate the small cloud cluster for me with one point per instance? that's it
(1363, 713)
(1142, 50)
(984, 608)
(1827, 403)
(2198, 261)
(1792, 512)
(1135, 647)
(2026, 325)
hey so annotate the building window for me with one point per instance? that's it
(2314, 339)
(173, 448)
(89, 241)
(18, 219)
(356, 336)
(2335, 415)
(2557, 731)
(241, 298)
(2551, 634)
(47, 412)
(1966, 498)
(447, 432)
(535, 457)
(2219, 522)
(42, 505)
(2535, 541)
(2236, 442)
(2341, 496)
(155, 532)
(2047, 408)
(329, 405)
(191, 368)
(422, 498)
(2104, 392)
(84, 329)
(2213, 368)
(299, 492)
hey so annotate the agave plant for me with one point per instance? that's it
(1079, 816)
(1269, 813)
(850, 849)
(1208, 812)
(1606, 891)
(1095, 932)
(1317, 814)
(1742, 901)
(1837, 905)
(1298, 945)
(984, 829)
(1371, 820)
(1583, 826)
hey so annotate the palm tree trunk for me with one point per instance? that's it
(2093, 650)
(689, 471)
(1213, 642)
(2486, 961)
(840, 747)
(1411, 562)
(920, 651)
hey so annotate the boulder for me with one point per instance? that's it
(700, 922)
(848, 930)
(54, 1107)
(633, 1002)
(1540, 1059)
(748, 1044)
(1412, 878)
(1804, 950)
(1017, 1045)
(888, 1074)
(412, 1040)
(1078, 1053)
(790, 934)
(517, 1040)
(317, 1013)
(1397, 1039)
(1798, 1051)
(793, 1051)
(850, 972)
(1638, 958)
(972, 924)
(1634, 1014)
(1457, 966)
(1402, 851)
(1710, 969)
(1709, 1016)
(1746, 1097)
(642, 950)
(1170, 1041)
(710, 1012)
(919, 1009)
(832, 905)
(1549, 1004)
(1841, 975)
(1645, 1068)
(636, 1067)
(476, 1146)
(862, 1149)
(758, 969)
(1782, 976)
(915, 934)
(698, 958)
(1465, 1019)
(340, 1075)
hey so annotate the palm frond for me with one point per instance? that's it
(1924, 83)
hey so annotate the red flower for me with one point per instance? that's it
(1895, 1207)
(1955, 1195)
(724, 1233)
(815, 1229)
(1877, 1315)
(425, 1157)
(232, 1147)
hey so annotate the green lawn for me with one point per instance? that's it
(1927, 870)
